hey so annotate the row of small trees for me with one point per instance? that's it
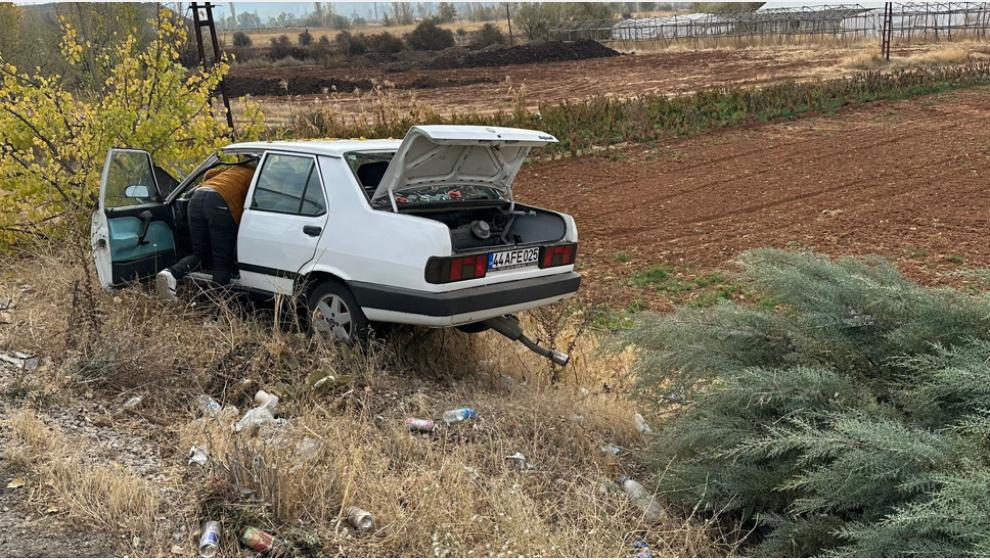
(427, 36)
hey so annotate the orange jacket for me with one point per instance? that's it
(231, 183)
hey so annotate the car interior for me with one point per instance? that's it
(183, 244)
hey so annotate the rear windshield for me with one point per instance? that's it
(369, 168)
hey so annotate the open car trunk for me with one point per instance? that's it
(462, 176)
(483, 228)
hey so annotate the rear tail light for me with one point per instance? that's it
(440, 270)
(558, 255)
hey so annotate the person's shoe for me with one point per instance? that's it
(166, 285)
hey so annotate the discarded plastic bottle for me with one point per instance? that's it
(133, 402)
(359, 519)
(209, 541)
(641, 549)
(459, 415)
(419, 424)
(198, 455)
(207, 405)
(652, 510)
(257, 540)
(641, 424)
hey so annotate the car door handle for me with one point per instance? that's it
(312, 231)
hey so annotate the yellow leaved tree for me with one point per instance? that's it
(53, 140)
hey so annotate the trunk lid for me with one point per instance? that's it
(433, 158)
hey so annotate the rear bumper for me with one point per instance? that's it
(457, 307)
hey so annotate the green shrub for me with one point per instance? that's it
(242, 39)
(489, 34)
(281, 47)
(384, 42)
(852, 418)
(428, 36)
(351, 44)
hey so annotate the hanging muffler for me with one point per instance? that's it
(509, 327)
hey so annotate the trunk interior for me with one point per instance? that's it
(483, 228)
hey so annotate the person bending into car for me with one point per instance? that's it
(214, 212)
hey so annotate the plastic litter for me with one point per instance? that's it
(197, 455)
(459, 415)
(20, 360)
(208, 406)
(611, 449)
(209, 541)
(641, 549)
(261, 416)
(518, 460)
(133, 402)
(641, 424)
(643, 499)
(257, 540)
(361, 520)
(419, 424)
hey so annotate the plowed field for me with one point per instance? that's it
(907, 180)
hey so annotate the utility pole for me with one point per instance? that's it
(887, 31)
(508, 19)
(203, 17)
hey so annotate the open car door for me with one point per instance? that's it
(132, 230)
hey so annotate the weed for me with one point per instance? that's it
(653, 276)
(955, 259)
(917, 252)
(621, 257)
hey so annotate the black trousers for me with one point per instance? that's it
(213, 233)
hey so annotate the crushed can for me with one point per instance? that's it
(359, 519)
(419, 424)
(257, 540)
(209, 541)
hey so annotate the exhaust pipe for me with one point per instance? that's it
(509, 327)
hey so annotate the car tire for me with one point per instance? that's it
(335, 315)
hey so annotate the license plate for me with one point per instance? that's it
(518, 258)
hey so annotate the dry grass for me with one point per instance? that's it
(110, 498)
(450, 493)
(941, 55)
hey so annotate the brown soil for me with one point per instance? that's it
(487, 89)
(529, 53)
(904, 179)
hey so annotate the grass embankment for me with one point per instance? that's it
(600, 121)
(450, 493)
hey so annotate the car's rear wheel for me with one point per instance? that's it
(335, 315)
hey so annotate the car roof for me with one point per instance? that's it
(333, 148)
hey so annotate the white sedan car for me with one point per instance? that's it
(422, 231)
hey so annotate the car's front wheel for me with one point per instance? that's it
(335, 315)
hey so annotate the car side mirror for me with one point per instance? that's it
(137, 191)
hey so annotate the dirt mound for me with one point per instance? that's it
(549, 51)
(430, 82)
(238, 86)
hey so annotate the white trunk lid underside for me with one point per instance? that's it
(448, 155)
